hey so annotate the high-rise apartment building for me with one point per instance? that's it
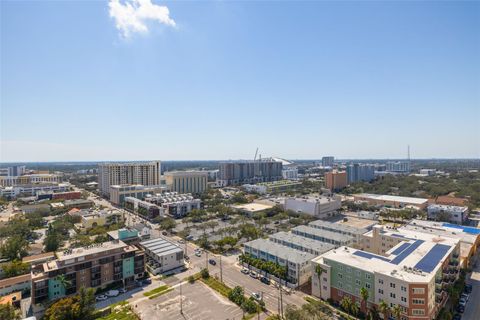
(398, 166)
(143, 173)
(186, 181)
(358, 172)
(245, 172)
(335, 180)
(327, 161)
(14, 171)
(95, 266)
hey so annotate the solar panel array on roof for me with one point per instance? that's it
(470, 230)
(432, 258)
(405, 253)
(402, 247)
(368, 255)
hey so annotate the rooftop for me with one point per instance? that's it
(340, 226)
(386, 197)
(319, 199)
(280, 251)
(41, 256)
(324, 233)
(415, 259)
(447, 208)
(160, 246)
(88, 250)
(303, 242)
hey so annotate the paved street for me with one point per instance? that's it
(472, 309)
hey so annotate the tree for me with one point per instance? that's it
(236, 295)
(204, 273)
(346, 304)
(15, 268)
(364, 294)
(63, 281)
(354, 309)
(319, 270)
(384, 309)
(14, 248)
(168, 224)
(397, 311)
(63, 309)
(52, 242)
(86, 301)
(8, 312)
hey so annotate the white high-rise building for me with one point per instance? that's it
(144, 173)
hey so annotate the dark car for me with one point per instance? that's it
(147, 281)
(265, 280)
(212, 262)
(460, 308)
(457, 316)
(468, 288)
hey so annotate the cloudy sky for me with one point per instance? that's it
(136, 79)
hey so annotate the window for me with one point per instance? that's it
(392, 295)
(403, 299)
(392, 285)
(357, 282)
(418, 312)
(349, 269)
(380, 291)
(367, 285)
(418, 290)
(380, 281)
(418, 301)
(340, 275)
(325, 288)
(368, 276)
(404, 289)
(358, 273)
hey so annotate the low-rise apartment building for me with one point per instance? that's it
(270, 187)
(94, 266)
(162, 256)
(118, 193)
(102, 218)
(334, 238)
(146, 209)
(297, 242)
(454, 214)
(296, 262)
(414, 274)
(10, 181)
(341, 229)
(319, 207)
(13, 192)
(174, 204)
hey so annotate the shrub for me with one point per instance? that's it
(191, 279)
(204, 273)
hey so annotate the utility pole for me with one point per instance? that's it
(281, 301)
(206, 259)
(221, 271)
(181, 299)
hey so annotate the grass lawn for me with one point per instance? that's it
(156, 290)
(217, 286)
(120, 311)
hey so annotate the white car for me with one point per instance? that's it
(101, 297)
(198, 253)
(465, 296)
(245, 271)
(462, 302)
(256, 296)
(112, 293)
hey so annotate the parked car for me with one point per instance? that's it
(245, 271)
(468, 288)
(465, 296)
(147, 281)
(460, 308)
(265, 280)
(165, 233)
(112, 293)
(101, 297)
(181, 241)
(122, 290)
(457, 316)
(253, 274)
(189, 238)
(256, 296)
(198, 253)
(212, 262)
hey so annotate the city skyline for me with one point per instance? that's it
(123, 81)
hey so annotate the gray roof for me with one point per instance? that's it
(323, 233)
(306, 243)
(160, 246)
(280, 251)
(337, 226)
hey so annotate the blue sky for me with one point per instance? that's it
(216, 80)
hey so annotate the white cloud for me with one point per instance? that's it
(131, 16)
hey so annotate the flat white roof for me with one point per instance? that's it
(386, 197)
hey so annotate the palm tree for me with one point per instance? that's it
(397, 311)
(354, 309)
(384, 309)
(346, 304)
(63, 281)
(374, 313)
(364, 294)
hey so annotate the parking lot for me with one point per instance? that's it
(198, 302)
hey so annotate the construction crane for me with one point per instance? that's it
(256, 152)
